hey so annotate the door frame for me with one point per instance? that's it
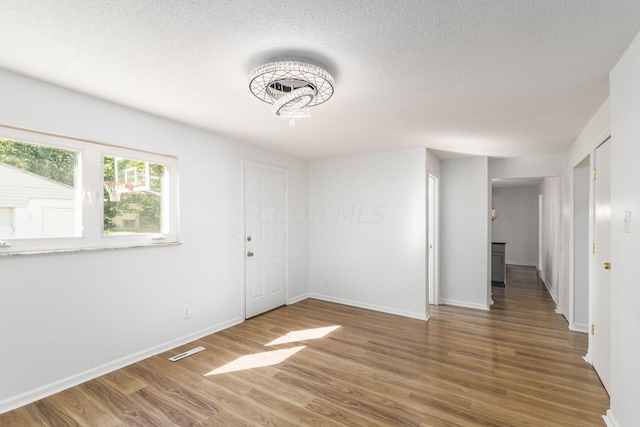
(592, 234)
(540, 230)
(573, 250)
(433, 286)
(258, 165)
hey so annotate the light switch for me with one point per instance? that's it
(627, 222)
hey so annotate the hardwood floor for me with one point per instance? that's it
(517, 365)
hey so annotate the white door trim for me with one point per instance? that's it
(595, 266)
(540, 230)
(251, 163)
(573, 250)
(569, 264)
(592, 232)
(433, 271)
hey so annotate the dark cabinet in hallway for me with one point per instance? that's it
(498, 265)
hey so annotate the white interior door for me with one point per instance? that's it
(433, 237)
(601, 326)
(265, 244)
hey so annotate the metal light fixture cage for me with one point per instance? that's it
(291, 87)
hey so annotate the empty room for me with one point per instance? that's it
(363, 213)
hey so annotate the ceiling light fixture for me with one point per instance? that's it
(291, 87)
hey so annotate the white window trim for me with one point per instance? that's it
(89, 194)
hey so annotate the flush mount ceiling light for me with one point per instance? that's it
(291, 87)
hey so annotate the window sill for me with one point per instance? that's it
(96, 249)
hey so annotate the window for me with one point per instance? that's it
(60, 193)
(38, 196)
(133, 192)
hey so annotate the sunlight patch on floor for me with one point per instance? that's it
(274, 357)
(257, 360)
(304, 335)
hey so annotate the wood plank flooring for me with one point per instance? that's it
(517, 365)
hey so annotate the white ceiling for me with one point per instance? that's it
(499, 78)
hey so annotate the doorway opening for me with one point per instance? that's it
(515, 225)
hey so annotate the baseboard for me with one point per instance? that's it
(588, 358)
(610, 419)
(74, 380)
(297, 299)
(579, 327)
(546, 283)
(465, 304)
(380, 308)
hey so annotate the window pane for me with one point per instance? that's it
(38, 196)
(135, 194)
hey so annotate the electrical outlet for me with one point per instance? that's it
(186, 313)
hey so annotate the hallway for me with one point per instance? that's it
(524, 354)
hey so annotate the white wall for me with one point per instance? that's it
(581, 247)
(368, 231)
(625, 253)
(594, 133)
(526, 167)
(67, 317)
(433, 164)
(551, 235)
(517, 223)
(464, 232)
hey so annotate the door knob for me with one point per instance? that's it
(249, 253)
(248, 238)
(607, 266)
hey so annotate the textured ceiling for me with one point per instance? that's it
(499, 78)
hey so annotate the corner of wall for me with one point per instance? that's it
(610, 419)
